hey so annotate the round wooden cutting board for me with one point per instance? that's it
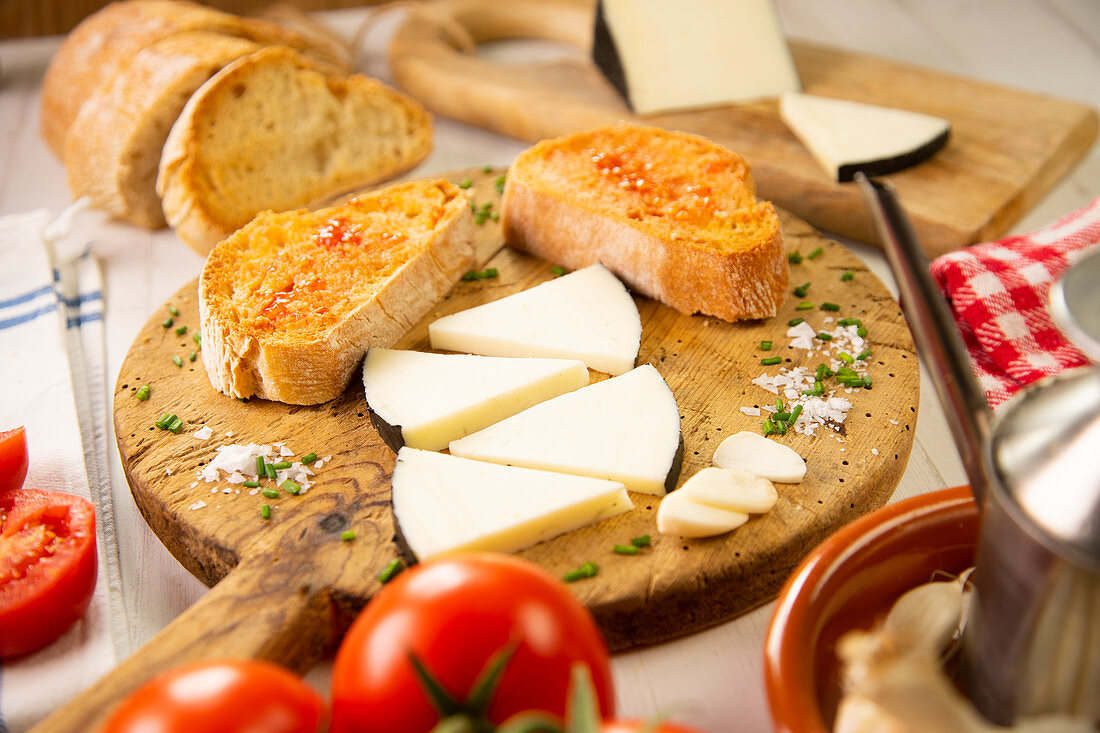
(288, 586)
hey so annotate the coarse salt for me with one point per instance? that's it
(751, 411)
(284, 451)
(203, 433)
(197, 505)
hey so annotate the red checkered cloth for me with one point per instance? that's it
(998, 294)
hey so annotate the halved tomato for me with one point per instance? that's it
(47, 566)
(13, 459)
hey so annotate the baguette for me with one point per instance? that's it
(94, 51)
(113, 147)
(673, 215)
(289, 304)
(272, 131)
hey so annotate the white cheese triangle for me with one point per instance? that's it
(681, 515)
(427, 400)
(846, 136)
(446, 504)
(624, 429)
(586, 315)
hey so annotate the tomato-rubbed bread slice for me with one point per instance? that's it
(273, 131)
(675, 216)
(290, 303)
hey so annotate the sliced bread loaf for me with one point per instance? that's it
(93, 52)
(272, 131)
(289, 304)
(675, 216)
(113, 148)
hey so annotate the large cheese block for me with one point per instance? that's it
(427, 400)
(665, 56)
(624, 429)
(445, 504)
(586, 315)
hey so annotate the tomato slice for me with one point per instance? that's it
(13, 459)
(47, 566)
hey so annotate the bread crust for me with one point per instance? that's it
(94, 51)
(190, 189)
(543, 218)
(113, 148)
(316, 368)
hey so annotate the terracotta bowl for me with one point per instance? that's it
(850, 581)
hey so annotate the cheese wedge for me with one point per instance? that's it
(427, 400)
(730, 489)
(846, 137)
(445, 504)
(681, 515)
(586, 315)
(624, 429)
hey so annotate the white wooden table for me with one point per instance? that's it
(711, 679)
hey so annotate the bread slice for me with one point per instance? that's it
(675, 216)
(113, 148)
(289, 304)
(272, 131)
(94, 51)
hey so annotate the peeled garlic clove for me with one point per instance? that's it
(756, 454)
(926, 617)
(680, 515)
(731, 489)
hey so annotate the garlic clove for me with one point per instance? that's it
(680, 515)
(732, 490)
(756, 454)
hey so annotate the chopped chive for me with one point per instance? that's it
(845, 371)
(781, 427)
(280, 465)
(465, 183)
(177, 360)
(495, 216)
(847, 276)
(804, 306)
(469, 275)
(251, 484)
(795, 321)
(291, 487)
(487, 169)
(557, 270)
(779, 405)
(473, 206)
(867, 383)
(487, 205)
(830, 307)
(269, 471)
(819, 388)
(181, 330)
(167, 322)
(485, 274)
(768, 426)
(143, 392)
(850, 322)
(861, 331)
(794, 258)
(490, 272)
(784, 416)
(347, 535)
(765, 345)
(309, 458)
(845, 357)
(816, 253)
(499, 183)
(863, 355)
(260, 472)
(173, 310)
(270, 493)
(265, 511)
(825, 336)
(794, 414)
(175, 425)
(823, 372)
(590, 569)
(391, 570)
(626, 550)
(771, 360)
(642, 541)
(802, 289)
(163, 420)
(573, 576)
(197, 338)
(192, 356)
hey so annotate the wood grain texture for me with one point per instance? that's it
(288, 587)
(1007, 149)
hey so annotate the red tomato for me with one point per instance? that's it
(454, 614)
(47, 566)
(642, 726)
(13, 459)
(221, 696)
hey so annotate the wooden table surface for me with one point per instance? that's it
(712, 679)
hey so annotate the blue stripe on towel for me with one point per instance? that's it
(26, 317)
(80, 299)
(26, 297)
(78, 321)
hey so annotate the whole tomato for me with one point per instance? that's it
(47, 566)
(13, 459)
(221, 696)
(454, 614)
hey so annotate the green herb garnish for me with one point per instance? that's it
(391, 570)
(142, 392)
(771, 361)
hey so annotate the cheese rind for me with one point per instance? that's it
(427, 400)
(665, 56)
(624, 429)
(586, 315)
(444, 504)
(847, 137)
(681, 515)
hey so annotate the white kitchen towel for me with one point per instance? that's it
(51, 322)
